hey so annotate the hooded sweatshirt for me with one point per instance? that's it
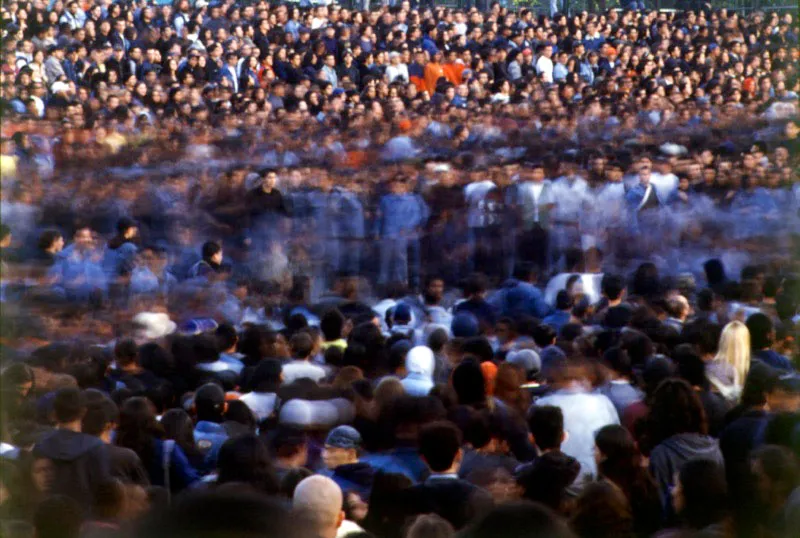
(667, 458)
(355, 477)
(420, 364)
(80, 463)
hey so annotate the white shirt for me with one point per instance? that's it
(570, 195)
(665, 184)
(544, 67)
(295, 370)
(262, 404)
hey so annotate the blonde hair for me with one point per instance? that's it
(734, 349)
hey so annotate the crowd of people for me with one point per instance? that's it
(278, 270)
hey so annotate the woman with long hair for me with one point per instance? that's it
(729, 368)
(245, 460)
(165, 461)
(178, 426)
(678, 431)
(619, 461)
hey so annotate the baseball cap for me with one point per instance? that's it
(343, 437)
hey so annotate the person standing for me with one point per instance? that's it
(79, 461)
(401, 215)
(534, 204)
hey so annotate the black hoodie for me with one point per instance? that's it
(80, 462)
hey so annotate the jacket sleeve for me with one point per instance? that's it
(99, 468)
(181, 471)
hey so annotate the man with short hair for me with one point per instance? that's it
(443, 493)
(209, 433)
(79, 461)
(100, 420)
(301, 367)
(762, 336)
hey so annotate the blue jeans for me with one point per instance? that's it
(400, 260)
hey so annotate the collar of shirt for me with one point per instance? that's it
(442, 476)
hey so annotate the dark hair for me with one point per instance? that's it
(439, 443)
(226, 336)
(302, 344)
(675, 408)
(612, 286)
(469, 384)
(543, 335)
(227, 510)
(760, 327)
(291, 479)
(287, 441)
(69, 405)
(386, 508)
(619, 361)
(210, 248)
(126, 352)
(703, 335)
(429, 526)
(5, 231)
(563, 300)
(519, 518)
(108, 499)
(245, 459)
(691, 367)
(179, 427)
(47, 238)
(99, 414)
(138, 428)
(705, 492)
(58, 517)
(602, 510)
(331, 324)
(780, 466)
(546, 423)
(240, 413)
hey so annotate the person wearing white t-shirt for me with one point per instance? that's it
(544, 64)
(662, 178)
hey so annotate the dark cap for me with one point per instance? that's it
(209, 396)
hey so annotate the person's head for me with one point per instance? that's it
(613, 287)
(519, 518)
(341, 447)
(267, 376)
(332, 324)
(602, 510)
(429, 526)
(319, 499)
(546, 425)
(245, 460)
(776, 474)
(51, 241)
(69, 406)
(762, 331)
(179, 427)
(289, 446)
(108, 500)
(302, 345)
(101, 417)
(209, 403)
(228, 510)
(126, 354)
(676, 408)
(138, 427)
(784, 395)
(212, 252)
(619, 361)
(440, 446)
(700, 495)
(58, 517)
(734, 349)
(616, 454)
(227, 337)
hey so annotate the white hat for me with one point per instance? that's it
(200, 4)
(154, 325)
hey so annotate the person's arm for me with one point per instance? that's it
(181, 471)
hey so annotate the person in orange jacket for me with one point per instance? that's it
(433, 72)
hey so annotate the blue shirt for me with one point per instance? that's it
(209, 438)
(400, 214)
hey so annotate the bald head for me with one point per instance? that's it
(319, 499)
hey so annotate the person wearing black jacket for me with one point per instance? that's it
(80, 461)
(443, 493)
